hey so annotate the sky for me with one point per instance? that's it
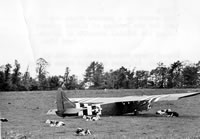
(73, 33)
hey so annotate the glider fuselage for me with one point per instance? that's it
(112, 109)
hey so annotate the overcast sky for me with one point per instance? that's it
(73, 33)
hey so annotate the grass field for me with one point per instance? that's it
(26, 114)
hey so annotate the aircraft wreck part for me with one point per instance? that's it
(93, 109)
(112, 108)
(52, 112)
(121, 108)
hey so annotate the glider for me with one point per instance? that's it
(111, 105)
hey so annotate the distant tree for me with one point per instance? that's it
(190, 76)
(70, 81)
(142, 78)
(54, 82)
(41, 71)
(114, 76)
(160, 74)
(131, 79)
(73, 83)
(41, 68)
(175, 74)
(198, 68)
(94, 74)
(120, 78)
(2, 78)
(7, 78)
(108, 80)
(25, 83)
(123, 78)
(15, 77)
(66, 77)
(34, 85)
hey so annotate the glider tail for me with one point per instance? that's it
(64, 105)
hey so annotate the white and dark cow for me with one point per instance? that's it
(167, 112)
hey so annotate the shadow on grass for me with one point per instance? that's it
(132, 115)
(145, 115)
(189, 116)
(161, 116)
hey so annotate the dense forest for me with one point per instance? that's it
(177, 75)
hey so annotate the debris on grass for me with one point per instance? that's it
(52, 112)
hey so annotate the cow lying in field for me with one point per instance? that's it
(54, 123)
(91, 118)
(3, 120)
(167, 112)
(82, 132)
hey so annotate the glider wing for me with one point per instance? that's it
(150, 98)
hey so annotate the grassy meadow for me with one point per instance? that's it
(26, 114)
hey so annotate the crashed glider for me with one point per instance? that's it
(111, 105)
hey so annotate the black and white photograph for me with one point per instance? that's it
(99, 69)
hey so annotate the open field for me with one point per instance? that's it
(26, 113)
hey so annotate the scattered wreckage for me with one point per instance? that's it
(51, 112)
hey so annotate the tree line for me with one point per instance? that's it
(177, 75)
